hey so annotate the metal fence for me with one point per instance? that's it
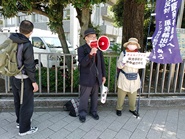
(156, 79)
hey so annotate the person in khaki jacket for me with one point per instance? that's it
(127, 86)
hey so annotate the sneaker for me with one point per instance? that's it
(17, 126)
(31, 131)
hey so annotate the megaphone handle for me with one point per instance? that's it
(94, 54)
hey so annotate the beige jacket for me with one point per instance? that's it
(123, 82)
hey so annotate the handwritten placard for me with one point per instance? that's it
(136, 60)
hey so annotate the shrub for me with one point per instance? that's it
(76, 80)
(52, 79)
(60, 75)
(112, 72)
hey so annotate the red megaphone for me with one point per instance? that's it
(102, 43)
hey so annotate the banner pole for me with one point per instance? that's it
(179, 23)
(180, 14)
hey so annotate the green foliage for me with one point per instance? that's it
(51, 79)
(9, 8)
(53, 9)
(85, 3)
(1, 22)
(118, 14)
(116, 48)
(140, 1)
(111, 76)
(149, 26)
(97, 29)
(60, 77)
(76, 80)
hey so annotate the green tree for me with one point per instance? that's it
(84, 11)
(53, 9)
(149, 25)
(118, 14)
(131, 18)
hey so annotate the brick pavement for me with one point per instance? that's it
(154, 123)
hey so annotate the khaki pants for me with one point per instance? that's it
(121, 97)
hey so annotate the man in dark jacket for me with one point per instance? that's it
(92, 75)
(24, 111)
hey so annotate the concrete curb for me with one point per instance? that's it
(57, 103)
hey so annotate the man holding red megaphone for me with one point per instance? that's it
(92, 74)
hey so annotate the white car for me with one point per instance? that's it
(46, 42)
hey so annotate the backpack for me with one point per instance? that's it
(118, 70)
(8, 54)
(72, 106)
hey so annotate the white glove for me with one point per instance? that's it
(125, 58)
(147, 59)
(147, 56)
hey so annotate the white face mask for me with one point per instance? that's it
(93, 43)
(132, 47)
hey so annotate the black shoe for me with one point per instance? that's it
(82, 119)
(118, 113)
(95, 116)
(134, 113)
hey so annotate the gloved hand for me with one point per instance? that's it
(125, 58)
(147, 57)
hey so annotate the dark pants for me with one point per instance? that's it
(85, 93)
(23, 111)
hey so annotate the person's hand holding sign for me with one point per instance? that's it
(125, 58)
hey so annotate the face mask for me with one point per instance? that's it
(132, 47)
(93, 43)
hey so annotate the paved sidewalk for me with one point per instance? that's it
(154, 123)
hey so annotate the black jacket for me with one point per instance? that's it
(89, 66)
(28, 54)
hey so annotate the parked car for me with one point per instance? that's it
(45, 42)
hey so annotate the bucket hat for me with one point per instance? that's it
(132, 40)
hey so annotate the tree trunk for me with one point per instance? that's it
(83, 17)
(133, 20)
(62, 38)
(61, 34)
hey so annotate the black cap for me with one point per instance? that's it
(89, 31)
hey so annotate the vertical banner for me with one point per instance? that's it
(164, 40)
